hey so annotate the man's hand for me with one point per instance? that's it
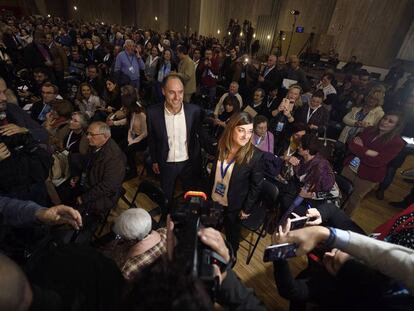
(79, 201)
(243, 215)
(12, 129)
(215, 241)
(73, 181)
(261, 79)
(4, 152)
(334, 260)
(60, 214)
(306, 238)
(156, 168)
(313, 127)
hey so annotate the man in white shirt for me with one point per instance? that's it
(173, 138)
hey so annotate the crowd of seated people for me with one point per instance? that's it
(90, 97)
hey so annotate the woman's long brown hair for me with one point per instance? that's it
(397, 130)
(245, 153)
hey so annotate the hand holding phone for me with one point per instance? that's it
(279, 251)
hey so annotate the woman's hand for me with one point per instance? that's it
(371, 153)
(243, 215)
(293, 161)
(358, 141)
(280, 236)
(314, 216)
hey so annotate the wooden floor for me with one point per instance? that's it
(259, 275)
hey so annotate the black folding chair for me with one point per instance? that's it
(345, 186)
(155, 194)
(258, 221)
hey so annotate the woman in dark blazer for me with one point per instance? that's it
(237, 175)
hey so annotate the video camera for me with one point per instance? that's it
(196, 258)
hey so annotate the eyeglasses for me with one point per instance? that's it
(93, 134)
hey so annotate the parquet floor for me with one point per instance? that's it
(259, 275)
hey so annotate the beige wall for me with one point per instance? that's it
(372, 30)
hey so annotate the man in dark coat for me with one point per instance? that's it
(99, 177)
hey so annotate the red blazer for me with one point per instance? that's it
(374, 168)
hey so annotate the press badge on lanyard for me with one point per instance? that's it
(220, 186)
(131, 69)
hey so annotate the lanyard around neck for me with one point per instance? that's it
(223, 170)
(310, 114)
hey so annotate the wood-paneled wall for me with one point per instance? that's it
(372, 30)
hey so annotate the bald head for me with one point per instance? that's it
(15, 291)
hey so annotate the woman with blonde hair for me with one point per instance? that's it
(280, 124)
(360, 118)
(238, 175)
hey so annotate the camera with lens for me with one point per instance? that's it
(19, 142)
(193, 256)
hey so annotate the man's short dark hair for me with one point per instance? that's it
(329, 76)
(310, 142)
(182, 49)
(319, 94)
(55, 88)
(40, 70)
(92, 66)
(260, 119)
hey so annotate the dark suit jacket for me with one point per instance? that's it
(105, 176)
(36, 110)
(33, 58)
(245, 183)
(157, 132)
(319, 118)
(272, 81)
(16, 115)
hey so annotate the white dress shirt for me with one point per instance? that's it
(177, 135)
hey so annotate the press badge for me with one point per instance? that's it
(220, 189)
(131, 69)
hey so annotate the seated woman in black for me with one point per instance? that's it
(231, 106)
(112, 96)
(238, 175)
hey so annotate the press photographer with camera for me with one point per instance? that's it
(237, 175)
(24, 164)
(181, 289)
(13, 120)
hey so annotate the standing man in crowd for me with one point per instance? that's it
(128, 63)
(173, 137)
(269, 78)
(186, 71)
